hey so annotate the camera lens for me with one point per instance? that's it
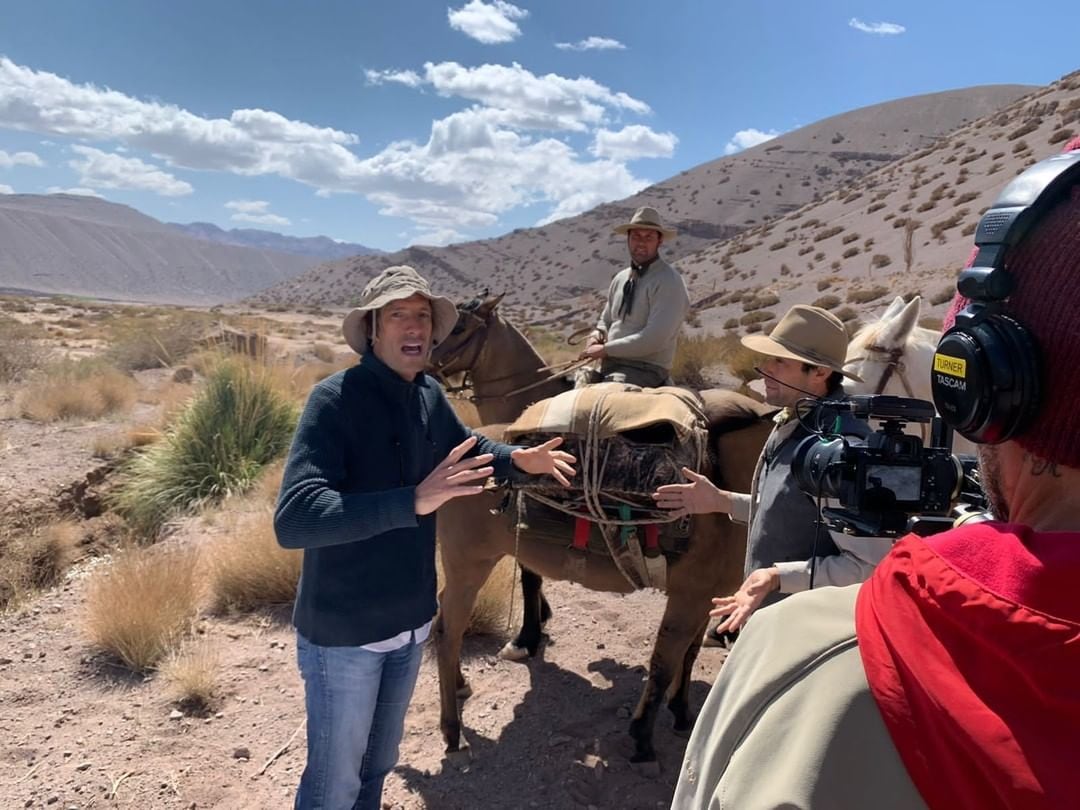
(816, 466)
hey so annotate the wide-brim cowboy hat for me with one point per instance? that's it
(395, 284)
(648, 219)
(809, 335)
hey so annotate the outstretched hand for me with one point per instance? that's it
(746, 600)
(453, 478)
(696, 498)
(544, 459)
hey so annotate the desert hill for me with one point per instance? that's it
(905, 228)
(62, 243)
(547, 267)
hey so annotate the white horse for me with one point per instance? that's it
(893, 355)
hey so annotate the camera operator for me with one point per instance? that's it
(949, 678)
(804, 358)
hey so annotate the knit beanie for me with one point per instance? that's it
(1046, 299)
(1045, 267)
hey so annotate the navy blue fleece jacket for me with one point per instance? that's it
(366, 438)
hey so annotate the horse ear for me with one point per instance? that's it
(894, 309)
(902, 323)
(487, 307)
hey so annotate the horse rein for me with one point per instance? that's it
(893, 365)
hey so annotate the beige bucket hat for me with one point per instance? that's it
(809, 335)
(649, 219)
(394, 284)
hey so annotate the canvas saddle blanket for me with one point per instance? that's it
(628, 441)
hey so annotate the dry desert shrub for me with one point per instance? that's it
(693, 354)
(864, 295)
(21, 350)
(247, 568)
(190, 674)
(323, 352)
(87, 389)
(944, 295)
(36, 558)
(154, 339)
(497, 605)
(140, 605)
(827, 302)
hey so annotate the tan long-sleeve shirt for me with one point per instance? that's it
(648, 332)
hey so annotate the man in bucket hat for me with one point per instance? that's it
(645, 309)
(804, 358)
(377, 451)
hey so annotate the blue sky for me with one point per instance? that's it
(391, 123)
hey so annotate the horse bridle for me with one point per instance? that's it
(894, 364)
(478, 337)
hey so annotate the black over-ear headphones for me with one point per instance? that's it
(987, 373)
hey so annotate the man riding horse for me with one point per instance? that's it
(635, 338)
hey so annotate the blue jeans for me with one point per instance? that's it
(356, 702)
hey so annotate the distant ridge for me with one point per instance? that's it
(319, 247)
(79, 245)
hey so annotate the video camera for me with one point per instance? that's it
(892, 484)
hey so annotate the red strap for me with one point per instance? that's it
(652, 536)
(582, 529)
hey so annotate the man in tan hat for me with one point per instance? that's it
(804, 359)
(361, 486)
(635, 338)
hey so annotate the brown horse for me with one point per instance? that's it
(472, 539)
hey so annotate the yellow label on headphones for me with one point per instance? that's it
(953, 366)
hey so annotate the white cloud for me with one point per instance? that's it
(879, 28)
(474, 165)
(489, 23)
(592, 44)
(102, 170)
(249, 142)
(255, 212)
(4, 189)
(529, 101)
(436, 237)
(81, 192)
(9, 159)
(409, 78)
(747, 138)
(633, 142)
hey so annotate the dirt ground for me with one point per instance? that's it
(76, 731)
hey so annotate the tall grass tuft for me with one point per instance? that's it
(141, 605)
(190, 674)
(21, 349)
(217, 446)
(36, 558)
(84, 389)
(248, 569)
(155, 339)
(497, 604)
